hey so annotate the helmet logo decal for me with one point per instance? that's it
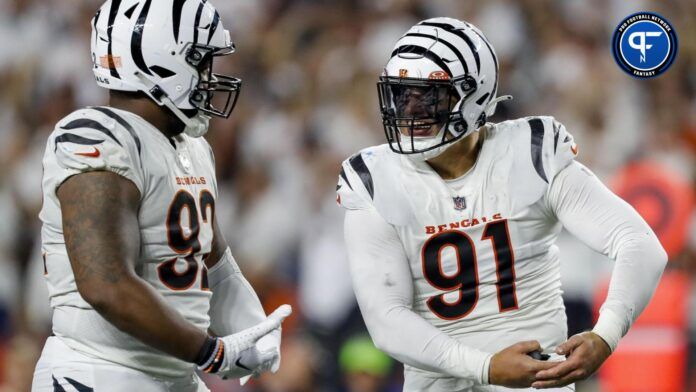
(110, 61)
(438, 75)
(403, 73)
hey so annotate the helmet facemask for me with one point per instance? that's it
(438, 53)
(421, 115)
(215, 94)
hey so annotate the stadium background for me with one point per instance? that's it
(309, 101)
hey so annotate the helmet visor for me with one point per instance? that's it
(415, 109)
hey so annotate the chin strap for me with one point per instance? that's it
(195, 127)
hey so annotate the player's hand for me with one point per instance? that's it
(242, 354)
(586, 352)
(269, 343)
(513, 368)
(252, 362)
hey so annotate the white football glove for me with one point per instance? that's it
(252, 362)
(267, 344)
(240, 355)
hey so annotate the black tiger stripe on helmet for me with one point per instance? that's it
(425, 52)
(452, 48)
(137, 38)
(448, 28)
(177, 10)
(196, 25)
(213, 26)
(115, 5)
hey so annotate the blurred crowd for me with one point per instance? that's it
(308, 101)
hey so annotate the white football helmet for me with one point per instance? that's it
(442, 78)
(165, 49)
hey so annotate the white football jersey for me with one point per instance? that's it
(480, 248)
(176, 180)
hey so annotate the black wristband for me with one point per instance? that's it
(207, 351)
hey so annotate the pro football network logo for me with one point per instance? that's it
(644, 45)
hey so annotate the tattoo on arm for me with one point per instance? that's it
(100, 226)
(102, 236)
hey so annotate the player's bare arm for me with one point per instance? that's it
(102, 238)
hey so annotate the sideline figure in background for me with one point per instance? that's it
(450, 228)
(136, 266)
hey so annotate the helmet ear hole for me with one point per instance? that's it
(194, 57)
(469, 84)
(460, 126)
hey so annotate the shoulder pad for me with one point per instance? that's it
(552, 147)
(374, 178)
(533, 150)
(90, 140)
(355, 189)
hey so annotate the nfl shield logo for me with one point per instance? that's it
(459, 203)
(184, 161)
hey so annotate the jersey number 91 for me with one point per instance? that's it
(466, 280)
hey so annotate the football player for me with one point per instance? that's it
(136, 266)
(451, 225)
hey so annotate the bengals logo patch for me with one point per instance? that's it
(403, 73)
